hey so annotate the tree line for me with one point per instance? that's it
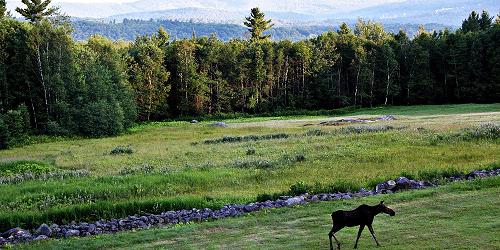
(51, 84)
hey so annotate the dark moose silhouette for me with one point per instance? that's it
(361, 216)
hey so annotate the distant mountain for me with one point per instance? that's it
(316, 8)
(130, 29)
(290, 12)
(205, 15)
(449, 12)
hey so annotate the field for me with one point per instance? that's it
(176, 165)
(458, 216)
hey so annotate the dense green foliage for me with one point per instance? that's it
(3, 8)
(99, 87)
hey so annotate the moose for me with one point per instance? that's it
(361, 216)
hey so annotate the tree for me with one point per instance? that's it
(3, 9)
(471, 24)
(147, 74)
(36, 10)
(485, 21)
(257, 25)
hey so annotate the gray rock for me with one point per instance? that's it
(314, 198)
(41, 237)
(387, 118)
(293, 201)
(403, 183)
(11, 232)
(391, 184)
(92, 228)
(71, 233)
(380, 187)
(220, 125)
(251, 207)
(2, 241)
(44, 229)
(194, 122)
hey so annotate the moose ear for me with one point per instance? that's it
(382, 202)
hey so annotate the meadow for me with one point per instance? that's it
(175, 165)
(458, 216)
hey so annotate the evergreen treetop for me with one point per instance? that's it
(257, 25)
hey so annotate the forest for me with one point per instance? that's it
(51, 84)
(129, 29)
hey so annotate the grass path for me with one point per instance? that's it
(458, 216)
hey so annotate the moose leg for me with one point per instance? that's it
(373, 234)
(361, 227)
(332, 234)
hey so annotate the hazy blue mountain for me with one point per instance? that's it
(450, 12)
(129, 29)
(290, 12)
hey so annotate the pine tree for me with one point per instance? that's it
(471, 24)
(36, 10)
(485, 21)
(257, 25)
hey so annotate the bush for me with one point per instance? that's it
(316, 132)
(365, 129)
(262, 163)
(234, 139)
(488, 131)
(53, 128)
(485, 131)
(18, 121)
(101, 118)
(122, 150)
(20, 167)
(299, 188)
(4, 135)
(250, 151)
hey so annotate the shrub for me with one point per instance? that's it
(18, 121)
(4, 134)
(299, 188)
(300, 158)
(316, 132)
(488, 131)
(365, 129)
(20, 167)
(260, 163)
(250, 151)
(121, 150)
(53, 128)
(234, 139)
(485, 131)
(101, 118)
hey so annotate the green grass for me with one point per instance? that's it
(170, 166)
(461, 215)
(19, 167)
